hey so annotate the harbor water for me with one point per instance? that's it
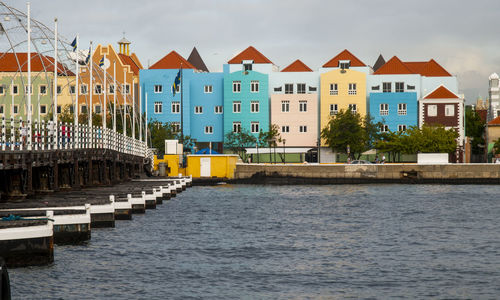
(288, 242)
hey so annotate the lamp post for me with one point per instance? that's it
(284, 154)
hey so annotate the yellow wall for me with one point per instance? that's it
(172, 162)
(221, 166)
(343, 99)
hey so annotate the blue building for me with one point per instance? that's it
(202, 98)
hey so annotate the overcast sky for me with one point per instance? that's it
(463, 36)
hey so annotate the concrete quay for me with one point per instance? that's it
(376, 173)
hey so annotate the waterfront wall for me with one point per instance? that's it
(383, 173)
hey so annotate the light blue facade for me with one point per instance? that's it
(394, 118)
(193, 89)
(246, 97)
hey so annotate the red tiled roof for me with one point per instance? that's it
(297, 66)
(172, 61)
(393, 66)
(495, 121)
(39, 63)
(344, 55)
(441, 93)
(127, 60)
(250, 53)
(425, 68)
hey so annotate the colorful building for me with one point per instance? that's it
(246, 92)
(343, 87)
(294, 104)
(200, 92)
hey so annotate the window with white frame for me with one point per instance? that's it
(288, 88)
(198, 109)
(254, 106)
(176, 127)
(209, 129)
(285, 128)
(97, 109)
(285, 106)
(1, 109)
(236, 106)
(28, 90)
(236, 86)
(400, 87)
(334, 109)
(218, 109)
(344, 64)
(352, 89)
(2, 90)
(254, 86)
(302, 128)
(384, 109)
(236, 127)
(431, 110)
(158, 88)
(402, 127)
(353, 108)
(410, 87)
(375, 87)
(83, 109)
(402, 109)
(208, 89)
(302, 106)
(386, 87)
(278, 89)
(301, 88)
(449, 110)
(126, 89)
(15, 89)
(111, 89)
(247, 67)
(334, 89)
(43, 109)
(97, 89)
(83, 89)
(384, 128)
(15, 109)
(42, 89)
(254, 127)
(158, 107)
(72, 89)
(59, 90)
(176, 107)
(59, 109)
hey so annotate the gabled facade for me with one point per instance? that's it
(294, 104)
(201, 93)
(443, 107)
(343, 86)
(246, 92)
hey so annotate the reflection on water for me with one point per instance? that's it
(244, 241)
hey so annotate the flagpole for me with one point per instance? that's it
(114, 96)
(146, 120)
(29, 77)
(75, 109)
(104, 115)
(140, 113)
(124, 90)
(54, 117)
(182, 112)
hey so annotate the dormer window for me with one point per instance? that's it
(247, 65)
(344, 64)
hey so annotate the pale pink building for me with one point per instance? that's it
(294, 104)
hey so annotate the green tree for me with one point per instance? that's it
(348, 130)
(238, 141)
(159, 132)
(496, 147)
(474, 129)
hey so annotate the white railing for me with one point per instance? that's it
(15, 135)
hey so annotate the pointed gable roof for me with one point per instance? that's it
(128, 60)
(344, 55)
(441, 93)
(297, 66)
(172, 61)
(380, 62)
(250, 53)
(430, 68)
(495, 121)
(18, 62)
(393, 66)
(195, 59)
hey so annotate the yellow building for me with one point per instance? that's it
(343, 86)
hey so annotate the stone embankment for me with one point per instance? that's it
(380, 173)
